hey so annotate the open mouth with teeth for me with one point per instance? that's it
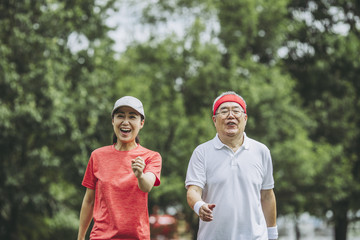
(125, 130)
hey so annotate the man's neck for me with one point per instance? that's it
(233, 142)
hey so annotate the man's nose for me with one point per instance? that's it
(231, 114)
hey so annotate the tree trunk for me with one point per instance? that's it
(341, 220)
(297, 229)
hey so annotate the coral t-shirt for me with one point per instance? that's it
(120, 208)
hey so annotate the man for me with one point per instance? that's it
(229, 179)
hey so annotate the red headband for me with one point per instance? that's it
(229, 98)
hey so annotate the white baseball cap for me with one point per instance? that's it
(129, 101)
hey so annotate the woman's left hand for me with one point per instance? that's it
(138, 165)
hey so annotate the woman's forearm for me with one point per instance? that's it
(86, 213)
(146, 181)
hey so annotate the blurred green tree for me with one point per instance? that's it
(53, 100)
(322, 55)
(240, 56)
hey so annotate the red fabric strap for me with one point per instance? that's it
(229, 98)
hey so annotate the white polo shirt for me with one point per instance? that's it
(233, 182)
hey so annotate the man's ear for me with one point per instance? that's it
(214, 119)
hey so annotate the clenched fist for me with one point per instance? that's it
(138, 165)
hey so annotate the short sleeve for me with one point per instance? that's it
(89, 179)
(196, 172)
(268, 181)
(153, 164)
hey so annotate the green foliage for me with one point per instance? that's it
(327, 79)
(55, 101)
(252, 27)
(51, 110)
(183, 78)
(290, 123)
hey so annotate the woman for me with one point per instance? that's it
(118, 178)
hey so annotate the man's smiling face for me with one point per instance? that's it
(230, 119)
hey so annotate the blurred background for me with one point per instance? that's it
(63, 64)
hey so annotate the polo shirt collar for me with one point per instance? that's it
(218, 144)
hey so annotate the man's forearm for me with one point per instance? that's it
(193, 195)
(268, 203)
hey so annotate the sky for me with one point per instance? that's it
(127, 27)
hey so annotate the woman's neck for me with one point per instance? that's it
(121, 146)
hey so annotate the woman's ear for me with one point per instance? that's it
(142, 123)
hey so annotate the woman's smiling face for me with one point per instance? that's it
(127, 123)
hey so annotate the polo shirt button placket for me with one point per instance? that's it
(233, 160)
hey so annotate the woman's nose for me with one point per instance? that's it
(126, 121)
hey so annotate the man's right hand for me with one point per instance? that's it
(206, 212)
